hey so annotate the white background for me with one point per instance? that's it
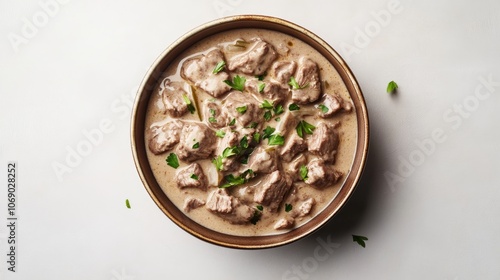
(429, 206)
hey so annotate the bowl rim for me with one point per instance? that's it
(149, 83)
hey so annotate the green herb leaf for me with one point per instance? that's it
(172, 160)
(391, 87)
(268, 115)
(295, 85)
(196, 145)
(189, 104)
(212, 120)
(261, 77)
(303, 172)
(259, 207)
(323, 108)
(232, 181)
(267, 105)
(244, 142)
(253, 125)
(256, 217)
(238, 83)
(278, 109)
(230, 151)
(360, 240)
(276, 139)
(233, 121)
(241, 109)
(218, 162)
(267, 132)
(219, 67)
(212, 112)
(293, 107)
(262, 85)
(220, 133)
(127, 203)
(304, 127)
(194, 176)
(256, 137)
(288, 207)
(277, 119)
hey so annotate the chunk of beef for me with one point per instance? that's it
(320, 174)
(334, 103)
(254, 61)
(272, 91)
(281, 71)
(197, 142)
(304, 208)
(163, 137)
(199, 71)
(284, 223)
(294, 145)
(287, 123)
(253, 112)
(214, 115)
(191, 176)
(324, 141)
(307, 76)
(228, 207)
(172, 98)
(231, 139)
(273, 190)
(191, 203)
(263, 160)
(293, 169)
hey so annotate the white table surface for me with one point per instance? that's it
(428, 200)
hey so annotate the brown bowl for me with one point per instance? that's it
(138, 129)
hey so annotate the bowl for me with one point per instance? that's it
(151, 81)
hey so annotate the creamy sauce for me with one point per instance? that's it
(332, 83)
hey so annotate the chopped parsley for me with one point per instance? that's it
(189, 104)
(267, 132)
(172, 160)
(278, 109)
(268, 115)
(295, 85)
(276, 139)
(293, 107)
(259, 207)
(212, 120)
(262, 85)
(244, 142)
(323, 108)
(288, 207)
(196, 145)
(193, 176)
(127, 203)
(267, 105)
(230, 151)
(256, 217)
(253, 125)
(218, 162)
(303, 172)
(277, 119)
(304, 127)
(233, 121)
(238, 82)
(231, 180)
(219, 67)
(391, 87)
(220, 133)
(359, 239)
(256, 137)
(261, 77)
(241, 109)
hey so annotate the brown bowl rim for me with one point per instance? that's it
(149, 83)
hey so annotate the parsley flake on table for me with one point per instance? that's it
(304, 127)
(189, 104)
(172, 160)
(391, 87)
(219, 67)
(241, 109)
(238, 83)
(127, 203)
(288, 207)
(303, 172)
(293, 107)
(295, 85)
(360, 240)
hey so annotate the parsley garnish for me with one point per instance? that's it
(220, 133)
(232, 181)
(196, 145)
(241, 109)
(288, 207)
(267, 132)
(323, 108)
(277, 119)
(256, 217)
(253, 125)
(172, 160)
(295, 85)
(233, 121)
(276, 139)
(303, 172)
(278, 109)
(218, 162)
(189, 104)
(293, 107)
(266, 105)
(259, 207)
(391, 87)
(359, 239)
(127, 203)
(238, 83)
(193, 176)
(256, 137)
(268, 115)
(261, 77)
(219, 67)
(304, 127)
(262, 85)
(244, 142)
(212, 120)
(230, 151)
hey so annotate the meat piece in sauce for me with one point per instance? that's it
(199, 71)
(281, 71)
(255, 60)
(294, 145)
(304, 208)
(321, 175)
(263, 160)
(243, 108)
(214, 115)
(172, 97)
(307, 77)
(324, 142)
(293, 169)
(191, 176)
(284, 223)
(273, 190)
(228, 207)
(271, 91)
(334, 104)
(197, 142)
(230, 139)
(191, 203)
(163, 137)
